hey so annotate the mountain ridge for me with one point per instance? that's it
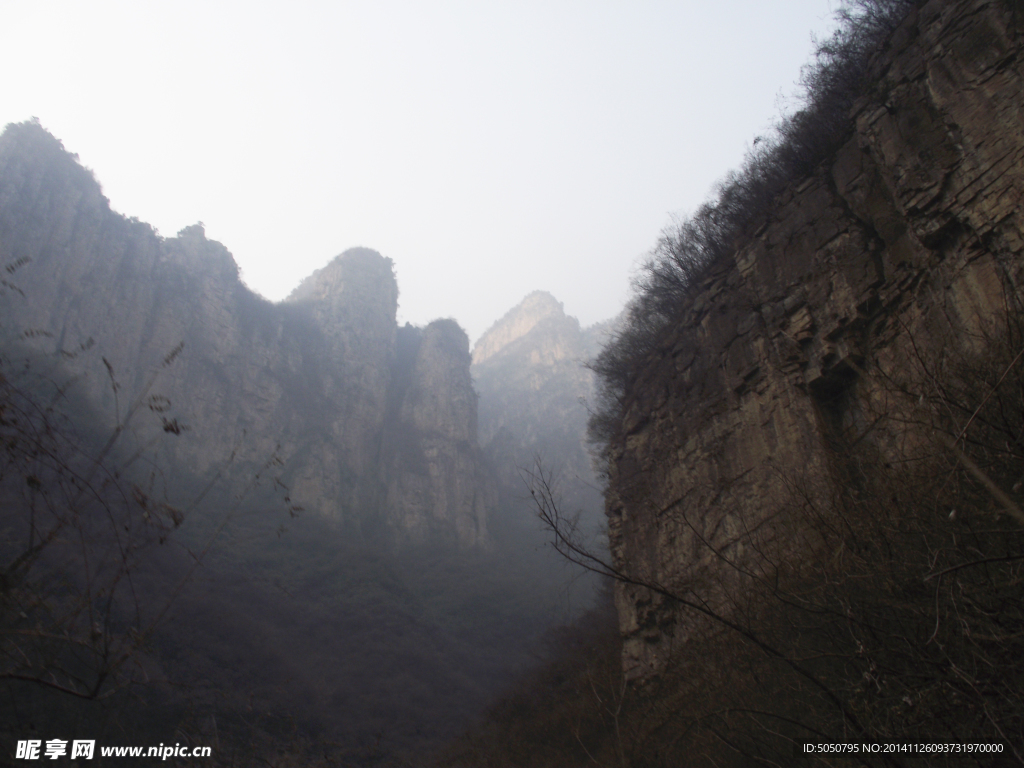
(306, 381)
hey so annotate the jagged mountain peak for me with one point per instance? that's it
(29, 144)
(447, 332)
(200, 255)
(314, 383)
(517, 322)
(355, 269)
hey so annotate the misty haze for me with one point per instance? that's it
(523, 400)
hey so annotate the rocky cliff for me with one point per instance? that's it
(309, 385)
(437, 483)
(830, 324)
(530, 370)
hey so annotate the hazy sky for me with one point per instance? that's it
(490, 148)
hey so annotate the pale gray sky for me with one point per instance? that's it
(490, 148)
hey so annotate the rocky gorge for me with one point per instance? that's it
(809, 427)
(304, 510)
(810, 418)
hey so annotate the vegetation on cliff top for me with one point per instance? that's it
(831, 83)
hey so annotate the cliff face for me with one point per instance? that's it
(529, 368)
(351, 305)
(308, 381)
(903, 249)
(437, 485)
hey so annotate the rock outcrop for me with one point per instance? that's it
(437, 486)
(308, 385)
(530, 370)
(907, 243)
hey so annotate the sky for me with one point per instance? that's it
(489, 148)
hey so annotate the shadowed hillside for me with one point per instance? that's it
(266, 528)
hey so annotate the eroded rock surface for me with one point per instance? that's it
(907, 242)
(305, 388)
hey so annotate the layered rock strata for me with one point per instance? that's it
(909, 241)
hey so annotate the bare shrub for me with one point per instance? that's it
(836, 77)
(79, 515)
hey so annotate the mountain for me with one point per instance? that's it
(269, 527)
(535, 389)
(377, 436)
